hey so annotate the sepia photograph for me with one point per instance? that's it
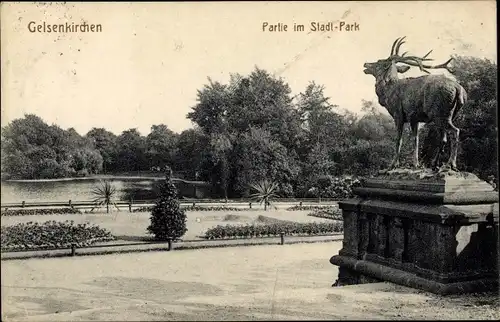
(249, 160)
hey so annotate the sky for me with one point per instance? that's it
(147, 64)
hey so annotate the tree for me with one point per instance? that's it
(226, 113)
(478, 120)
(105, 142)
(190, 154)
(86, 161)
(221, 147)
(257, 157)
(32, 149)
(168, 220)
(321, 124)
(324, 134)
(318, 164)
(131, 148)
(160, 145)
(25, 140)
(211, 110)
(263, 101)
(373, 125)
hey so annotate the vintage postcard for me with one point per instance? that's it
(249, 160)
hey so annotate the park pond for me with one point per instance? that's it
(79, 189)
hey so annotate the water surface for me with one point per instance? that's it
(73, 189)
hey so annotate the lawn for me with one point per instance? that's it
(241, 283)
(126, 225)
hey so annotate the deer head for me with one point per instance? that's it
(385, 69)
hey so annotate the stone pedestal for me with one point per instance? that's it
(435, 232)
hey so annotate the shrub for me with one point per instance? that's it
(104, 194)
(328, 213)
(272, 229)
(143, 209)
(168, 220)
(31, 212)
(51, 235)
(298, 208)
(336, 188)
(196, 208)
(212, 208)
(265, 192)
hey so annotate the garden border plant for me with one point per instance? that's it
(45, 211)
(197, 208)
(307, 207)
(331, 212)
(51, 235)
(273, 230)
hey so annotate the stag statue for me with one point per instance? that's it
(432, 99)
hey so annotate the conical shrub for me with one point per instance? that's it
(168, 220)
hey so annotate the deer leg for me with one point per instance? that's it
(454, 133)
(399, 141)
(438, 149)
(414, 131)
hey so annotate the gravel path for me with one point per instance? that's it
(237, 283)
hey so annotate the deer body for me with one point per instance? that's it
(425, 99)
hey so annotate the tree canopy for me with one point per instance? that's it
(253, 129)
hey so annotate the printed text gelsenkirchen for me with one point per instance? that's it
(43, 27)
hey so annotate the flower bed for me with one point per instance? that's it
(142, 209)
(51, 235)
(272, 230)
(328, 213)
(196, 208)
(298, 208)
(30, 212)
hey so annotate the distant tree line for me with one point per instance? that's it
(252, 129)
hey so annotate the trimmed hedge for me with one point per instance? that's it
(328, 213)
(272, 230)
(51, 235)
(212, 208)
(143, 209)
(298, 208)
(31, 212)
(196, 208)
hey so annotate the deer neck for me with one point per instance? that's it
(384, 88)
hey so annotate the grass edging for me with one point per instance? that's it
(163, 246)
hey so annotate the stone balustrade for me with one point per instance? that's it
(427, 243)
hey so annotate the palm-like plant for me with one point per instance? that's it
(265, 192)
(104, 194)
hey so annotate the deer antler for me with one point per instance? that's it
(396, 46)
(415, 60)
(418, 62)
